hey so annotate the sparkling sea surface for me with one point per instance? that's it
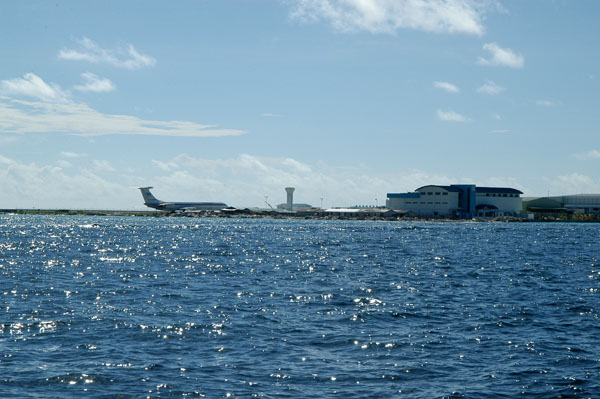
(133, 307)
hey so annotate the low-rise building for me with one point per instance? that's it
(458, 201)
(296, 207)
(498, 201)
(563, 204)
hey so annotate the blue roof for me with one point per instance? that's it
(457, 189)
(447, 188)
(498, 190)
(404, 195)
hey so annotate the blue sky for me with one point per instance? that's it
(346, 100)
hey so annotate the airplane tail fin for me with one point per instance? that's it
(148, 197)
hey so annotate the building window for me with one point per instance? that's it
(444, 193)
(438, 193)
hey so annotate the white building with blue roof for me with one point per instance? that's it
(498, 201)
(458, 201)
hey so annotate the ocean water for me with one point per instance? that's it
(133, 307)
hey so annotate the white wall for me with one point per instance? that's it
(504, 204)
(431, 202)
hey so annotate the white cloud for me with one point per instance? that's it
(68, 154)
(547, 103)
(501, 131)
(501, 57)
(6, 161)
(388, 16)
(166, 166)
(31, 85)
(123, 57)
(269, 115)
(246, 179)
(591, 154)
(449, 87)
(102, 166)
(64, 164)
(296, 166)
(491, 88)
(56, 114)
(30, 185)
(451, 116)
(95, 83)
(242, 180)
(573, 183)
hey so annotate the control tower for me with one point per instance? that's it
(290, 198)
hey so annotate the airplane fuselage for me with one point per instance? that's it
(153, 202)
(185, 206)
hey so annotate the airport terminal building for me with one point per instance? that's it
(463, 201)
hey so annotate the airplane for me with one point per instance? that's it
(152, 202)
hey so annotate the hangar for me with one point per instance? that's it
(463, 201)
(564, 204)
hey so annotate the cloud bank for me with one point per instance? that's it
(388, 16)
(573, 183)
(53, 186)
(243, 180)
